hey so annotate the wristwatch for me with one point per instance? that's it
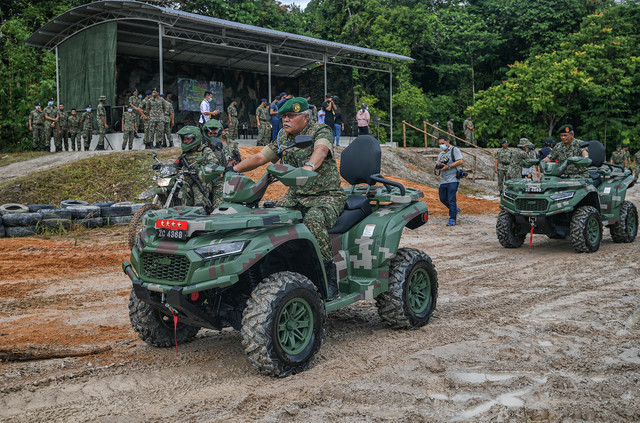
(310, 163)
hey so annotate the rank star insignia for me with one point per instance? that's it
(179, 225)
(162, 222)
(173, 224)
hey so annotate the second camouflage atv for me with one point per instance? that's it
(565, 207)
(259, 269)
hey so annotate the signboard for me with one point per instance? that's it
(191, 93)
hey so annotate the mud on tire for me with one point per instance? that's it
(506, 231)
(156, 328)
(626, 229)
(136, 221)
(283, 324)
(413, 290)
(586, 229)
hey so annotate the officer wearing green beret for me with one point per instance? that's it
(568, 147)
(322, 200)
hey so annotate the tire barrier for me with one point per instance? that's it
(18, 220)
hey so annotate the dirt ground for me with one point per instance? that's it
(537, 334)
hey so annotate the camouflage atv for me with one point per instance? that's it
(575, 208)
(259, 269)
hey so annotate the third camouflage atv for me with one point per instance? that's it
(563, 207)
(259, 269)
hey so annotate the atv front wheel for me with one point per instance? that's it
(136, 222)
(586, 229)
(506, 231)
(413, 290)
(156, 328)
(282, 324)
(626, 229)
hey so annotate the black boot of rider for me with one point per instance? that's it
(332, 279)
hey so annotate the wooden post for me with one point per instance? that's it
(404, 133)
(425, 133)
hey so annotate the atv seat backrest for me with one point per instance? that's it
(358, 163)
(597, 152)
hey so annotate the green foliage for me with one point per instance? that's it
(409, 104)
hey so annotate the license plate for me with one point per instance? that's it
(533, 188)
(173, 229)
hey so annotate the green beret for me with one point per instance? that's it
(294, 105)
(565, 129)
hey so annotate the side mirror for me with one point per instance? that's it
(303, 141)
(216, 143)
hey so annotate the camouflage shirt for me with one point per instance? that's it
(504, 158)
(560, 153)
(325, 189)
(87, 121)
(36, 117)
(514, 170)
(52, 112)
(64, 120)
(135, 100)
(232, 112)
(168, 110)
(155, 109)
(262, 114)
(618, 158)
(74, 123)
(128, 121)
(636, 157)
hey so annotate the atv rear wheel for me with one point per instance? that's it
(626, 229)
(586, 229)
(413, 290)
(136, 222)
(282, 324)
(506, 231)
(156, 328)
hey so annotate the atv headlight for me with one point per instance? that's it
(511, 196)
(220, 250)
(561, 196)
(164, 182)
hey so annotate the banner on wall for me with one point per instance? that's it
(191, 92)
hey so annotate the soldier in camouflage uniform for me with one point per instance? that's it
(617, 157)
(136, 101)
(223, 155)
(320, 201)
(154, 129)
(514, 170)
(168, 118)
(503, 158)
(128, 127)
(436, 133)
(144, 123)
(101, 115)
(62, 135)
(469, 130)
(569, 147)
(74, 131)
(36, 126)
(314, 109)
(232, 112)
(87, 127)
(627, 156)
(50, 124)
(196, 155)
(636, 159)
(450, 131)
(263, 122)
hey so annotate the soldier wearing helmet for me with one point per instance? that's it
(197, 155)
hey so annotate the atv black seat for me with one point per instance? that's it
(356, 209)
(596, 179)
(597, 152)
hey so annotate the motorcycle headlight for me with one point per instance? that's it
(561, 196)
(164, 182)
(220, 250)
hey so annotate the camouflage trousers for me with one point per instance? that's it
(153, 131)
(502, 175)
(167, 138)
(62, 139)
(87, 134)
(192, 196)
(127, 139)
(75, 142)
(233, 129)
(48, 133)
(635, 177)
(103, 132)
(318, 219)
(264, 133)
(470, 137)
(38, 137)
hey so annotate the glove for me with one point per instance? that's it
(230, 169)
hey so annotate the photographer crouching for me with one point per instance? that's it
(449, 167)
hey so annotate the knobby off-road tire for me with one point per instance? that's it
(136, 222)
(586, 229)
(156, 328)
(413, 290)
(626, 229)
(506, 231)
(283, 324)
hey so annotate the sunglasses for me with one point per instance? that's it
(290, 115)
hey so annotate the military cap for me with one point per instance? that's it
(549, 141)
(306, 96)
(565, 129)
(88, 105)
(282, 94)
(504, 141)
(618, 146)
(524, 142)
(50, 99)
(451, 117)
(162, 95)
(147, 92)
(263, 99)
(154, 89)
(437, 122)
(102, 97)
(295, 105)
(37, 103)
(135, 90)
(233, 99)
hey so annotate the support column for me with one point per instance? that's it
(57, 79)
(391, 101)
(160, 59)
(324, 59)
(270, 99)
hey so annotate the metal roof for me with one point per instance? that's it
(227, 44)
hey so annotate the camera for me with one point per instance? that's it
(461, 174)
(439, 166)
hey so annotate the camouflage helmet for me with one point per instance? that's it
(190, 132)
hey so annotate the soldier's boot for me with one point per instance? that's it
(332, 279)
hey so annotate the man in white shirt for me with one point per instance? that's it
(205, 108)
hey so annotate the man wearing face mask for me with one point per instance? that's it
(36, 126)
(102, 122)
(87, 126)
(449, 159)
(128, 127)
(74, 130)
(62, 135)
(50, 124)
(205, 109)
(135, 100)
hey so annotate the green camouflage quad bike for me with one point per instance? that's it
(575, 208)
(259, 269)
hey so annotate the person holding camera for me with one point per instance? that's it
(449, 167)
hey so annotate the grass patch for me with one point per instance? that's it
(119, 176)
(9, 158)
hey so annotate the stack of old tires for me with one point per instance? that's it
(22, 220)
